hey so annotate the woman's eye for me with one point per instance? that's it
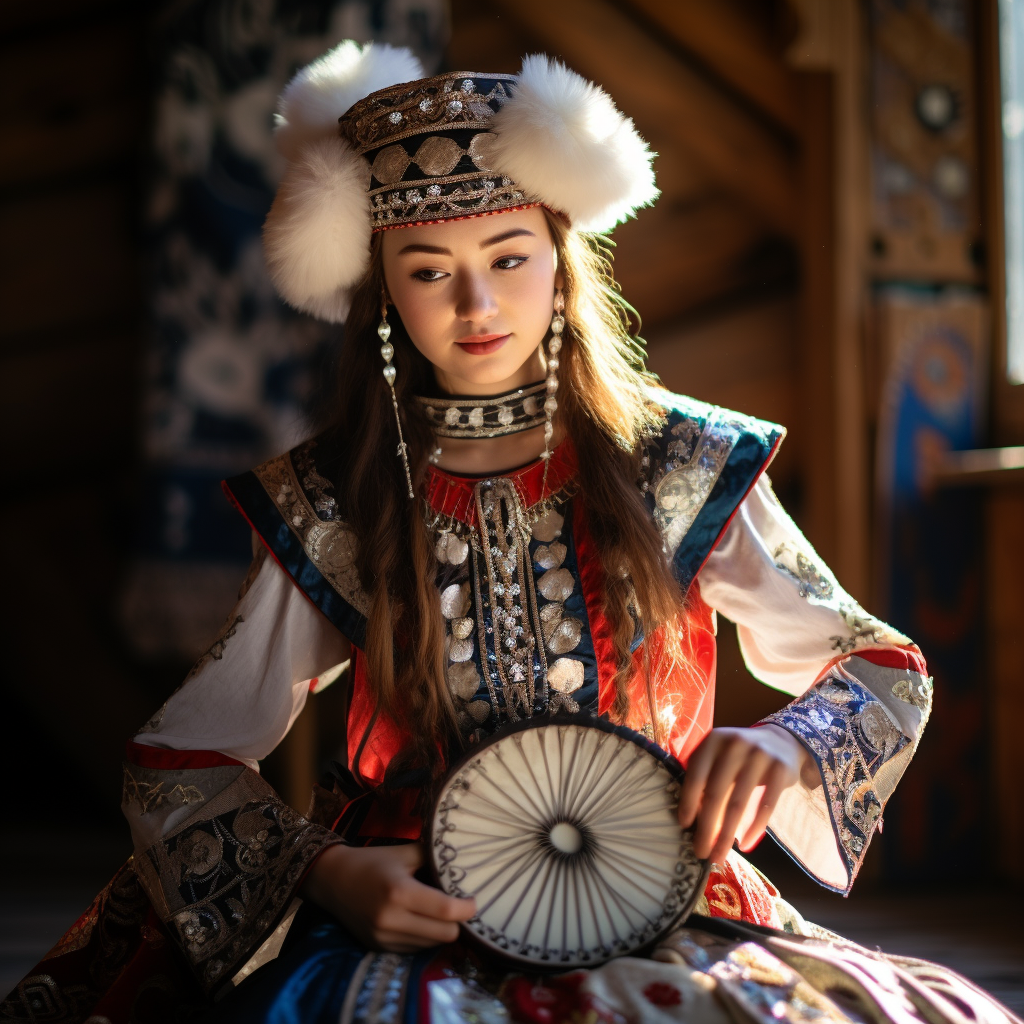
(429, 275)
(510, 262)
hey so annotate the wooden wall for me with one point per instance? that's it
(750, 275)
(73, 121)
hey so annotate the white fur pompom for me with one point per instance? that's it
(312, 102)
(564, 141)
(317, 235)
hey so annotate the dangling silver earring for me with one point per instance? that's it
(551, 402)
(387, 351)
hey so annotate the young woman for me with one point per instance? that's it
(507, 519)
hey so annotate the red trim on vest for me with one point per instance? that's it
(903, 659)
(145, 756)
(452, 495)
(592, 582)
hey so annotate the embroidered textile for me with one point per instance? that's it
(423, 143)
(221, 880)
(859, 745)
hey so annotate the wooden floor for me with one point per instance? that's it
(49, 879)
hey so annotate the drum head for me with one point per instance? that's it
(565, 833)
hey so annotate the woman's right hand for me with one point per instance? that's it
(371, 890)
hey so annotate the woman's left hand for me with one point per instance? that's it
(733, 781)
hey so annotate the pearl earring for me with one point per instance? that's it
(387, 351)
(551, 402)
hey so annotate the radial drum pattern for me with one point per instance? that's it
(566, 835)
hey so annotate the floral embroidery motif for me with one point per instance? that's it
(917, 692)
(818, 588)
(150, 796)
(315, 482)
(682, 482)
(682, 464)
(221, 880)
(851, 735)
(328, 543)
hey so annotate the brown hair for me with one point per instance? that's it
(606, 409)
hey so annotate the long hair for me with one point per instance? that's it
(606, 409)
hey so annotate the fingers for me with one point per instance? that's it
(418, 916)
(409, 855)
(775, 783)
(426, 901)
(720, 781)
(749, 778)
(697, 771)
(405, 925)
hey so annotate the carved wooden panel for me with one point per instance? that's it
(923, 122)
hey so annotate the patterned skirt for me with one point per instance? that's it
(744, 957)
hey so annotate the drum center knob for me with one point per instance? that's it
(565, 837)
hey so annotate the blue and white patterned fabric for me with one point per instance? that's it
(232, 375)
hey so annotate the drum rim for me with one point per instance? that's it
(586, 720)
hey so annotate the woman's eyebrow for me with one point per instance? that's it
(432, 250)
(438, 250)
(505, 236)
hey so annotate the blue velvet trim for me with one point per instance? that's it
(258, 507)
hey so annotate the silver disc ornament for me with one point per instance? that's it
(565, 832)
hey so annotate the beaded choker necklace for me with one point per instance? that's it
(490, 416)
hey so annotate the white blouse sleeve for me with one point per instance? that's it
(862, 693)
(245, 692)
(219, 854)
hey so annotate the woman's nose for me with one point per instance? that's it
(475, 302)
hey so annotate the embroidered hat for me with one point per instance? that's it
(372, 145)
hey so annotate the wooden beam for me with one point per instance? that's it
(673, 260)
(730, 46)
(673, 106)
(817, 311)
(851, 463)
(742, 358)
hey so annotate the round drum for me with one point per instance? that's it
(565, 832)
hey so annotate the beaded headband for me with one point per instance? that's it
(426, 146)
(372, 145)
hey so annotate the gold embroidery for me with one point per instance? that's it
(221, 881)
(452, 196)
(917, 692)
(683, 483)
(389, 165)
(819, 588)
(151, 795)
(438, 155)
(330, 545)
(443, 102)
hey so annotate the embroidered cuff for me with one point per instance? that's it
(862, 738)
(223, 874)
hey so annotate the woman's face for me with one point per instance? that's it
(476, 297)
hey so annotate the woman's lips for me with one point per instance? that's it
(482, 344)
